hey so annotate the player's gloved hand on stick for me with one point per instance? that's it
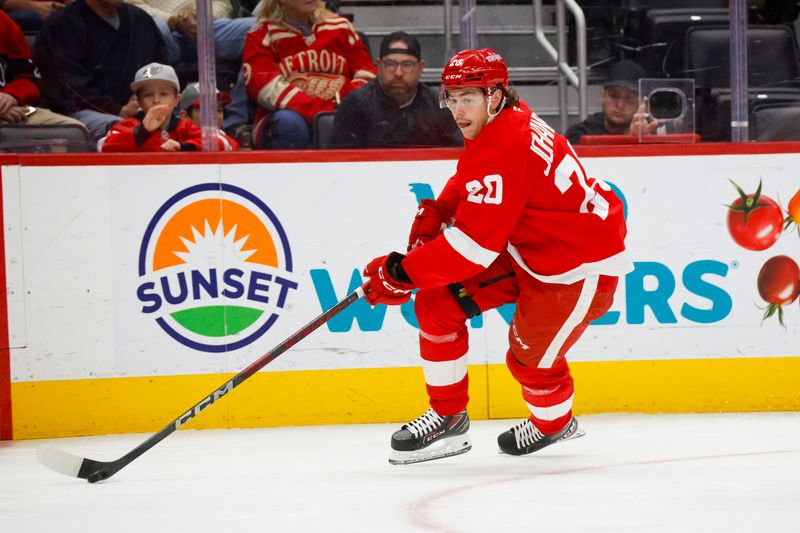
(431, 219)
(388, 282)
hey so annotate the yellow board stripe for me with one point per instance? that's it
(670, 386)
(47, 409)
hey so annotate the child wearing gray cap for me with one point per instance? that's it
(156, 128)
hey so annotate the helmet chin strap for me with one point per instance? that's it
(489, 105)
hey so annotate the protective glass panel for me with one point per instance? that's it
(741, 67)
(771, 104)
(86, 82)
(742, 56)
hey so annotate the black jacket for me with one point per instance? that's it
(87, 64)
(593, 125)
(369, 118)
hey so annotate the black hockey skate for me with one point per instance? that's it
(524, 438)
(429, 437)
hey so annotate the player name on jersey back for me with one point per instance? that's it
(542, 137)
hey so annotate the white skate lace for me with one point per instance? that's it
(526, 434)
(426, 423)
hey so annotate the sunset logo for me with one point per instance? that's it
(215, 268)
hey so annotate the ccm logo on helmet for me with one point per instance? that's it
(494, 57)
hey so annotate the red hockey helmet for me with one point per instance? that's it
(482, 68)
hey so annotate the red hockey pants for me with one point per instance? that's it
(549, 318)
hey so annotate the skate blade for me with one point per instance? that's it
(438, 450)
(579, 433)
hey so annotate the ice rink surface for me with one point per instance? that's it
(637, 473)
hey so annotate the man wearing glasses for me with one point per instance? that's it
(395, 109)
(622, 113)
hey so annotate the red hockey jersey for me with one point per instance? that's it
(17, 75)
(130, 136)
(520, 186)
(285, 70)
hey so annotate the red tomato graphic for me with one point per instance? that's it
(793, 212)
(754, 221)
(778, 284)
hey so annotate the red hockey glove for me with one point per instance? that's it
(388, 282)
(428, 224)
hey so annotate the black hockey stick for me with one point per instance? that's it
(94, 471)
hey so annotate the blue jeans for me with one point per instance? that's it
(229, 36)
(26, 19)
(96, 122)
(284, 130)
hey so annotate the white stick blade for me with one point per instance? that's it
(59, 460)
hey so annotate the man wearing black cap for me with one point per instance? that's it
(622, 114)
(395, 109)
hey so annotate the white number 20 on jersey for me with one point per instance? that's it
(493, 187)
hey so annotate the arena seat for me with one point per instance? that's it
(322, 129)
(30, 38)
(772, 57)
(637, 11)
(772, 73)
(775, 123)
(663, 38)
(27, 138)
(715, 121)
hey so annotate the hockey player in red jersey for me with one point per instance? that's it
(519, 222)
(156, 128)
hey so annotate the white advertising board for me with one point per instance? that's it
(194, 269)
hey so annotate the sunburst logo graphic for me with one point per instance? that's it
(215, 268)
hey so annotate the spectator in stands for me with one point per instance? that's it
(190, 104)
(177, 20)
(88, 52)
(622, 113)
(156, 128)
(301, 60)
(31, 14)
(19, 81)
(395, 109)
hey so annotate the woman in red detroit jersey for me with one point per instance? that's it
(519, 222)
(301, 60)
